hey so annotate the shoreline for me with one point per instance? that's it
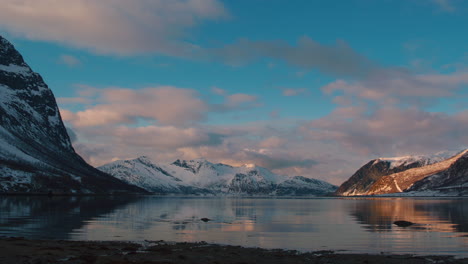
(21, 250)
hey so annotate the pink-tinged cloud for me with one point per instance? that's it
(73, 100)
(218, 91)
(166, 105)
(294, 92)
(396, 86)
(235, 100)
(69, 60)
(111, 26)
(392, 130)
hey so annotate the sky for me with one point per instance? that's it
(311, 88)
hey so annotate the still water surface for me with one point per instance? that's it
(355, 225)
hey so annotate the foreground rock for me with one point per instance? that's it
(17, 250)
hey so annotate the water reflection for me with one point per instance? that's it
(360, 225)
(429, 215)
(56, 217)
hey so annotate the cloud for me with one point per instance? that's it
(164, 105)
(112, 26)
(274, 162)
(386, 114)
(69, 60)
(236, 102)
(71, 134)
(445, 5)
(167, 105)
(390, 87)
(339, 59)
(73, 100)
(122, 27)
(294, 92)
(218, 91)
(393, 131)
(157, 138)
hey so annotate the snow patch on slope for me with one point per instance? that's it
(16, 69)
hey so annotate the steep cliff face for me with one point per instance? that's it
(36, 154)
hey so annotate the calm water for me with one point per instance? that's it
(356, 225)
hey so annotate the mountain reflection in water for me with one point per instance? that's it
(445, 215)
(41, 217)
(354, 224)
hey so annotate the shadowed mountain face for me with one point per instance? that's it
(36, 154)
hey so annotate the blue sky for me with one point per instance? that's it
(313, 88)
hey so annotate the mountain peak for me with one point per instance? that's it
(9, 55)
(144, 158)
(250, 165)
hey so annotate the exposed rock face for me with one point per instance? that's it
(453, 178)
(36, 154)
(423, 174)
(203, 177)
(362, 180)
(402, 181)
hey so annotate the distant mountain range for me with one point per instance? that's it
(200, 176)
(36, 155)
(444, 173)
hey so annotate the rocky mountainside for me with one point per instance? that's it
(203, 177)
(36, 154)
(409, 174)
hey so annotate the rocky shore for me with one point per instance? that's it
(20, 250)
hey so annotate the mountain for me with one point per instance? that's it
(415, 174)
(200, 176)
(36, 155)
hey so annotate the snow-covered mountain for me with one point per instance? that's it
(442, 171)
(36, 154)
(200, 176)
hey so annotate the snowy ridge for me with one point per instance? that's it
(422, 159)
(200, 176)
